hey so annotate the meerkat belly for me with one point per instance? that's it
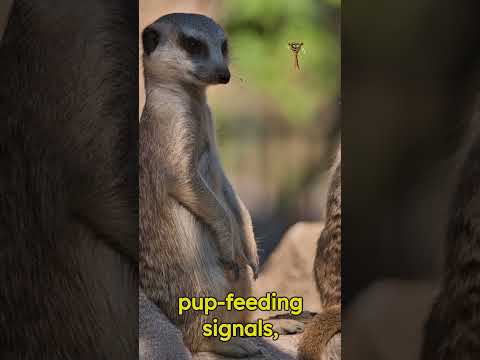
(182, 261)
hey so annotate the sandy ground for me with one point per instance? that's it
(289, 269)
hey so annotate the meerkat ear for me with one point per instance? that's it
(150, 40)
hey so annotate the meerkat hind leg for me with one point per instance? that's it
(287, 326)
(236, 347)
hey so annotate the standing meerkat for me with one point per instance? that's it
(327, 271)
(196, 236)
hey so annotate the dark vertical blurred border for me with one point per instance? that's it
(69, 179)
(5, 7)
(409, 80)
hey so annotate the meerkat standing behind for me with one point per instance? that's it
(194, 230)
(452, 330)
(327, 271)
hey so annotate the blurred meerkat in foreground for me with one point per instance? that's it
(68, 187)
(452, 330)
(196, 236)
(327, 271)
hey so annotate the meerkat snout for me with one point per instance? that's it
(223, 75)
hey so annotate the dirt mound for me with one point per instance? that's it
(289, 270)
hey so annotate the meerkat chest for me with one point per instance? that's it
(205, 135)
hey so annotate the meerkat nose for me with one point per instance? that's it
(223, 75)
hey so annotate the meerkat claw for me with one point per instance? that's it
(236, 271)
(254, 268)
(231, 266)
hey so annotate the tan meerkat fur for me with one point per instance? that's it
(327, 271)
(193, 227)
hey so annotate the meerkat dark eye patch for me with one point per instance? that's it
(193, 46)
(150, 40)
(225, 48)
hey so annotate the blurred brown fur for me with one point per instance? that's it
(68, 185)
(327, 270)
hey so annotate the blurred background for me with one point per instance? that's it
(410, 74)
(277, 127)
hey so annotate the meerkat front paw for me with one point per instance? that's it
(255, 268)
(248, 244)
(252, 264)
(230, 266)
(246, 263)
(228, 238)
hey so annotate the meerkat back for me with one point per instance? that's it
(321, 339)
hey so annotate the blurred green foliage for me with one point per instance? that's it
(259, 33)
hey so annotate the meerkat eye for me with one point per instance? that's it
(194, 46)
(150, 40)
(225, 48)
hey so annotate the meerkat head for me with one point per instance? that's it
(186, 48)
